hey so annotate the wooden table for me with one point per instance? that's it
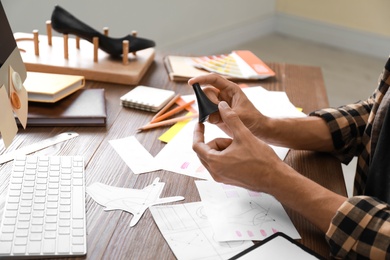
(109, 233)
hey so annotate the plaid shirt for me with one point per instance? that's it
(361, 227)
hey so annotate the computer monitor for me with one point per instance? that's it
(13, 96)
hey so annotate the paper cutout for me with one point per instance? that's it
(189, 235)
(8, 127)
(133, 201)
(134, 155)
(18, 94)
(239, 214)
(15, 101)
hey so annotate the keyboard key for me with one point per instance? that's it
(34, 247)
(49, 246)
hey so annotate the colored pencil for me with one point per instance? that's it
(167, 122)
(171, 112)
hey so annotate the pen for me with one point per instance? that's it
(172, 112)
(167, 122)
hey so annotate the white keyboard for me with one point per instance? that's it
(44, 214)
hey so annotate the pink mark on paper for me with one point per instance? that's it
(185, 165)
(238, 233)
(274, 230)
(262, 231)
(254, 193)
(250, 233)
(231, 194)
(227, 187)
(201, 168)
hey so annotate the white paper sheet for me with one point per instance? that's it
(240, 214)
(134, 155)
(189, 235)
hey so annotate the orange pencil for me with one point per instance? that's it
(172, 112)
(167, 106)
(167, 122)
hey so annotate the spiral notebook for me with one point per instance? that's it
(147, 98)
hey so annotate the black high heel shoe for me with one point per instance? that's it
(64, 22)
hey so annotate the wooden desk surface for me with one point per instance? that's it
(109, 233)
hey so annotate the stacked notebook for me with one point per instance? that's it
(147, 98)
(85, 107)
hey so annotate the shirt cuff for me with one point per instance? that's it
(351, 219)
(343, 131)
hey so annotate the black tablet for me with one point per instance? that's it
(277, 246)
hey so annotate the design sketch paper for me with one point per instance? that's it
(133, 201)
(239, 214)
(189, 235)
(134, 155)
(270, 103)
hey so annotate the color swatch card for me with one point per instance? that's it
(241, 64)
(147, 98)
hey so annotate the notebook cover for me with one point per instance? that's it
(51, 87)
(85, 107)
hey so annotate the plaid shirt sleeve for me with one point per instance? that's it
(347, 125)
(360, 230)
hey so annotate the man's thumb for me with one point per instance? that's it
(231, 119)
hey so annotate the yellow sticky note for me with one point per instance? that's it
(171, 132)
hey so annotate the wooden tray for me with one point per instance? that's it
(81, 61)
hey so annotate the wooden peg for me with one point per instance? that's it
(95, 48)
(66, 47)
(49, 33)
(36, 42)
(105, 31)
(125, 54)
(78, 42)
(134, 33)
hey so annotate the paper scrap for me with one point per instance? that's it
(17, 89)
(239, 214)
(134, 155)
(189, 235)
(134, 201)
(8, 127)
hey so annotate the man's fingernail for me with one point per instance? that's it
(223, 104)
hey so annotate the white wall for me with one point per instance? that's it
(181, 25)
(355, 25)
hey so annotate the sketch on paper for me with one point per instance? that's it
(239, 214)
(188, 233)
